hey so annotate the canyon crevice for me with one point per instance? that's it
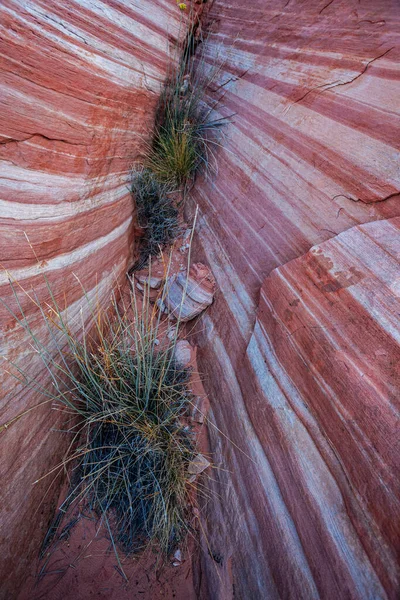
(300, 227)
(79, 86)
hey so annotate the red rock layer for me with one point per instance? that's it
(79, 83)
(301, 348)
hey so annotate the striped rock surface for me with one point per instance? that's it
(301, 348)
(79, 84)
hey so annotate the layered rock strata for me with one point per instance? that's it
(79, 85)
(300, 228)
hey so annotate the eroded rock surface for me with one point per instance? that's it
(79, 84)
(301, 347)
(299, 227)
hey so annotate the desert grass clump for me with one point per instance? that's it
(184, 132)
(178, 151)
(183, 142)
(125, 399)
(157, 213)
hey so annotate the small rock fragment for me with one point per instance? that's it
(198, 465)
(186, 236)
(199, 410)
(183, 353)
(171, 333)
(185, 241)
(139, 287)
(178, 555)
(161, 306)
(153, 282)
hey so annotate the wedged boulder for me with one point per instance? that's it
(187, 295)
(153, 282)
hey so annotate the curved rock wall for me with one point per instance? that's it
(300, 350)
(300, 227)
(79, 84)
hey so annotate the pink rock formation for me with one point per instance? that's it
(79, 84)
(300, 227)
(300, 350)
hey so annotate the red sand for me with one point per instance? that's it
(84, 567)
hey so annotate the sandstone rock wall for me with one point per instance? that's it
(300, 350)
(300, 227)
(79, 83)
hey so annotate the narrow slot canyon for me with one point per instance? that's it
(298, 222)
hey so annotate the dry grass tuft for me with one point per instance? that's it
(156, 214)
(183, 144)
(125, 398)
(185, 130)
